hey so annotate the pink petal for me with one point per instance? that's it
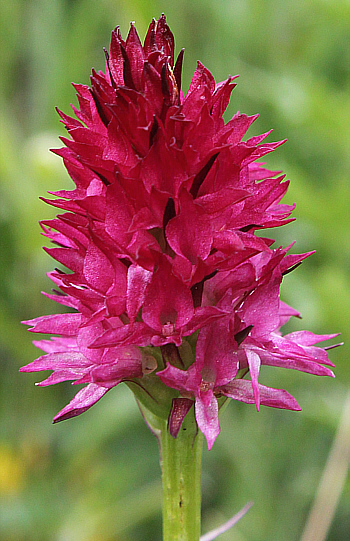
(202, 316)
(168, 301)
(116, 61)
(83, 400)
(189, 233)
(307, 338)
(65, 324)
(136, 56)
(254, 364)
(208, 417)
(137, 333)
(260, 309)
(56, 344)
(126, 365)
(98, 270)
(183, 380)
(66, 374)
(215, 358)
(286, 312)
(218, 201)
(302, 363)
(242, 390)
(55, 361)
(138, 280)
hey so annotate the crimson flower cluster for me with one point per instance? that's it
(166, 276)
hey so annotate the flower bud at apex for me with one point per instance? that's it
(168, 288)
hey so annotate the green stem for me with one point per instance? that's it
(181, 476)
(180, 460)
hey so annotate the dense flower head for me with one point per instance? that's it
(165, 276)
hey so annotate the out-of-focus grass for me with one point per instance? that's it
(97, 477)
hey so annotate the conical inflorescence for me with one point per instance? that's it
(167, 280)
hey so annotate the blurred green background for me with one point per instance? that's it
(97, 477)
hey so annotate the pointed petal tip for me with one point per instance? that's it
(210, 444)
(23, 369)
(58, 418)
